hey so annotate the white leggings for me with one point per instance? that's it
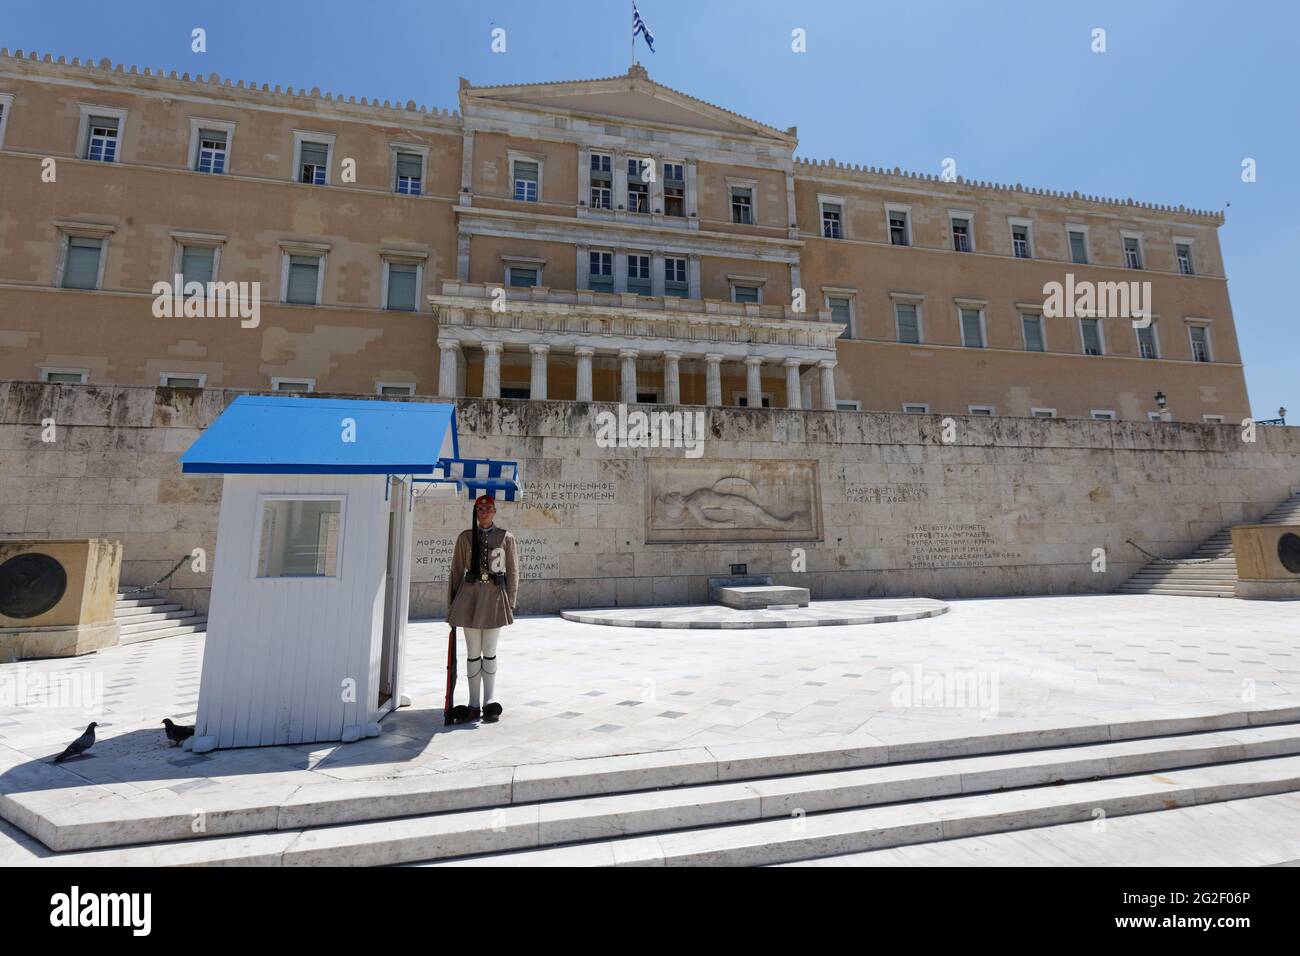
(481, 662)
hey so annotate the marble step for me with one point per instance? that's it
(796, 838)
(193, 625)
(444, 835)
(49, 809)
(148, 622)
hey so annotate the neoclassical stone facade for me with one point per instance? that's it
(608, 240)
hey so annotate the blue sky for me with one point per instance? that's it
(1011, 90)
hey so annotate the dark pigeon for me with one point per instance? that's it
(177, 732)
(80, 745)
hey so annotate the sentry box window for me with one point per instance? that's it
(300, 537)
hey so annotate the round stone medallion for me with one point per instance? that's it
(1288, 552)
(31, 584)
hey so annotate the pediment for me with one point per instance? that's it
(633, 98)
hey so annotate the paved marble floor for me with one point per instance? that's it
(576, 690)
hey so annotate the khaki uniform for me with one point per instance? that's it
(481, 602)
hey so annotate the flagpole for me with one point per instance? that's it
(633, 63)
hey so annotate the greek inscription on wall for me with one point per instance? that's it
(566, 496)
(955, 546)
(431, 557)
(857, 493)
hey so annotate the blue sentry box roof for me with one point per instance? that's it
(293, 435)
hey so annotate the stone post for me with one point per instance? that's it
(713, 379)
(491, 369)
(753, 381)
(672, 378)
(449, 356)
(793, 391)
(627, 378)
(584, 354)
(828, 384)
(537, 389)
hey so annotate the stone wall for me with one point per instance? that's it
(1010, 506)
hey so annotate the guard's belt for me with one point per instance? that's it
(498, 579)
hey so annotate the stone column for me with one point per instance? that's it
(828, 384)
(448, 361)
(537, 389)
(793, 391)
(672, 378)
(584, 354)
(753, 381)
(627, 379)
(713, 379)
(491, 369)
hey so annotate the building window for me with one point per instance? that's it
(1091, 331)
(1133, 252)
(961, 234)
(1078, 246)
(916, 408)
(1200, 342)
(6, 107)
(1032, 326)
(403, 282)
(101, 139)
(600, 278)
(638, 274)
(900, 230)
(638, 190)
(674, 189)
(972, 328)
(1043, 412)
(744, 293)
(602, 181)
(198, 264)
(1155, 416)
(182, 380)
(987, 410)
(313, 163)
(394, 388)
(742, 399)
(300, 538)
(1103, 415)
(1184, 252)
(832, 220)
(1212, 419)
(522, 277)
(1021, 246)
(675, 281)
(303, 279)
(908, 323)
(82, 262)
(293, 384)
(212, 151)
(1146, 336)
(65, 376)
(525, 175)
(742, 205)
(851, 405)
(519, 392)
(410, 173)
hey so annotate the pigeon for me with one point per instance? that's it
(80, 745)
(177, 732)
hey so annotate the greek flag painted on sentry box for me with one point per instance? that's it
(640, 26)
(482, 476)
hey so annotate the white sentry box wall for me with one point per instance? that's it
(280, 651)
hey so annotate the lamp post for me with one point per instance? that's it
(1162, 402)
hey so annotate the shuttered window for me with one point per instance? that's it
(410, 169)
(196, 263)
(1091, 336)
(909, 329)
(304, 272)
(81, 267)
(525, 181)
(1033, 326)
(972, 330)
(312, 161)
(101, 143)
(212, 151)
(401, 286)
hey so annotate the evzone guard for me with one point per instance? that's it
(481, 590)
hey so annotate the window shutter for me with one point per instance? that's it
(1091, 338)
(196, 263)
(217, 136)
(908, 330)
(401, 287)
(970, 329)
(303, 271)
(408, 164)
(315, 154)
(526, 171)
(1033, 333)
(81, 268)
(104, 122)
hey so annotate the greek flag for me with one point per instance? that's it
(639, 26)
(479, 476)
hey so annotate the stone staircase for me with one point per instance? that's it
(1210, 570)
(143, 616)
(733, 805)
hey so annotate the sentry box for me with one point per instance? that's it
(311, 578)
